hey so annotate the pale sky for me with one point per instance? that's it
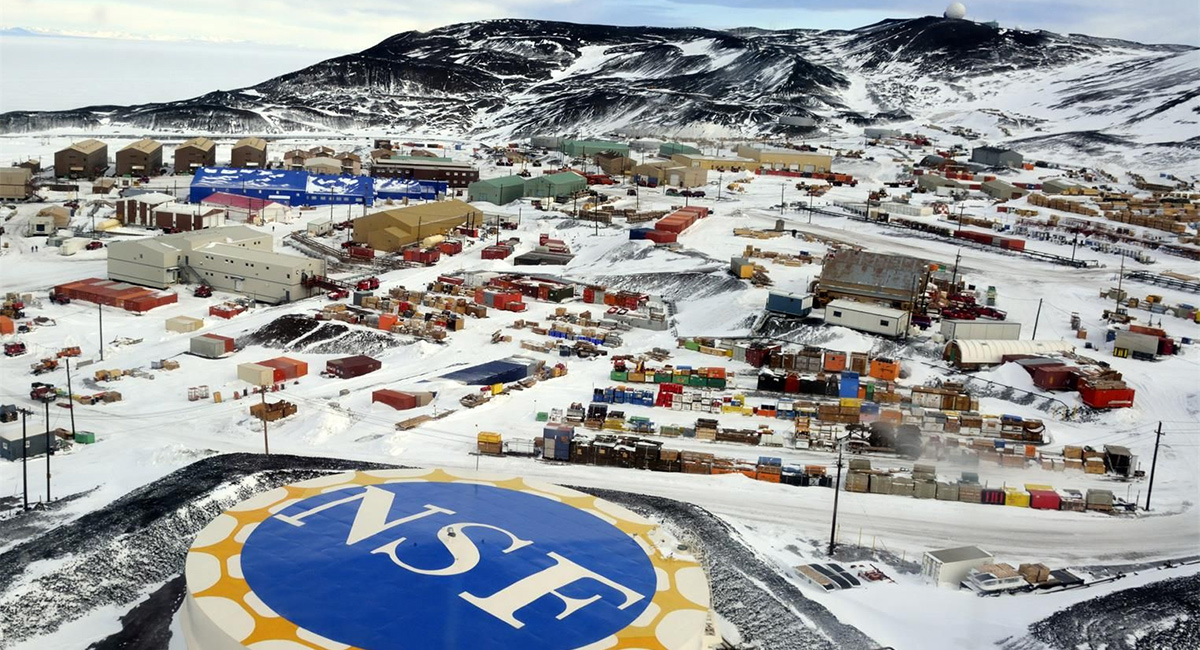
(353, 25)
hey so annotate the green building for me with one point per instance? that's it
(585, 148)
(562, 184)
(500, 191)
(668, 149)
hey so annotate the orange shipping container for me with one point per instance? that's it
(885, 370)
(386, 321)
(7, 326)
(835, 361)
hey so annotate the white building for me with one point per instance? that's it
(865, 317)
(949, 567)
(234, 258)
(993, 578)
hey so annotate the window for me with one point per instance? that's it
(884, 322)
(837, 314)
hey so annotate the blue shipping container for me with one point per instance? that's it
(849, 385)
(790, 305)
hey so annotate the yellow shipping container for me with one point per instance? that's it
(1030, 487)
(488, 436)
(850, 402)
(1015, 497)
(497, 389)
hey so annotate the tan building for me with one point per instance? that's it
(786, 159)
(381, 154)
(84, 159)
(60, 215)
(321, 150)
(669, 172)
(351, 163)
(715, 163)
(194, 154)
(391, 230)
(294, 159)
(323, 165)
(103, 185)
(141, 158)
(249, 152)
(15, 183)
(615, 164)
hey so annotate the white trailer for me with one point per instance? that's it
(864, 317)
(976, 330)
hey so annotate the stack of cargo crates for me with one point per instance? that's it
(490, 443)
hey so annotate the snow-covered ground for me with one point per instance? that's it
(156, 430)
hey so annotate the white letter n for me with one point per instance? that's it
(371, 518)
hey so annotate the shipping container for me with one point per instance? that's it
(863, 317)
(184, 324)
(210, 346)
(990, 330)
(797, 306)
(256, 374)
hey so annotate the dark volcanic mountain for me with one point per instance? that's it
(518, 77)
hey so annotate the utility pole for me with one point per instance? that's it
(954, 275)
(836, 489)
(70, 397)
(24, 459)
(49, 451)
(100, 315)
(720, 182)
(1153, 464)
(781, 188)
(266, 442)
(1036, 318)
(1120, 282)
(1074, 242)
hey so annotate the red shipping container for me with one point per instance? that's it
(452, 280)
(662, 237)
(348, 367)
(1054, 377)
(1106, 398)
(1044, 500)
(395, 399)
(791, 384)
(450, 247)
(1150, 331)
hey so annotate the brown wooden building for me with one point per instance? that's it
(351, 163)
(141, 158)
(194, 154)
(249, 152)
(84, 159)
(456, 174)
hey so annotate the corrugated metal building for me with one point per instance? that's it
(391, 230)
(558, 185)
(996, 157)
(668, 149)
(141, 158)
(499, 191)
(669, 172)
(999, 189)
(980, 353)
(586, 148)
(892, 280)
(249, 153)
(194, 154)
(1058, 186)
(716, 163)
(614, 164)
(83, 159)
(789, 159)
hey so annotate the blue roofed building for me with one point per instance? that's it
(408, 188)
(283, 186)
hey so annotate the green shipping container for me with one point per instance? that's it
(871, 392)
(619, 376)
(692, 345)
(680, 379)
(542, 416)
(662, 377)
(85, 437)
(697, 380)
(716, 382)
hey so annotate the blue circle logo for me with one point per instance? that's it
(420, 565)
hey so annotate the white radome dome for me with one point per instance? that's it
(956, 10)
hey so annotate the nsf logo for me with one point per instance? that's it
(447, 565)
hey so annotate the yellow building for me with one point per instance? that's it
(714, 163)
(789, 159)
(391, 230)
(669, 172)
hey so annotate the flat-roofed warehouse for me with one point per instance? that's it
(15, 182)
(194, 154)
(391, 230)
(558, 185)
(141, 158)
(233, 258)
(786, 159)
(456, 174)
(585, 148)
(892, 280)
(499, 191)
(715, 163)
(249, 152)
(83, 159)
(669, 172)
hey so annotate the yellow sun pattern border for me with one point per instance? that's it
(675, 619)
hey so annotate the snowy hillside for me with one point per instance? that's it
(519, 77)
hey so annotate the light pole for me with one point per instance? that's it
(836, 489)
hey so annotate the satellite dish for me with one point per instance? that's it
(956, 11)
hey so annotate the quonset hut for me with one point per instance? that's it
(282, 186)
(418, 558)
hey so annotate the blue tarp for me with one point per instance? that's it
(283, 186)
(492, 372)
(405, 188)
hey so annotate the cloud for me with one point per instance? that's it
(353, 25)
